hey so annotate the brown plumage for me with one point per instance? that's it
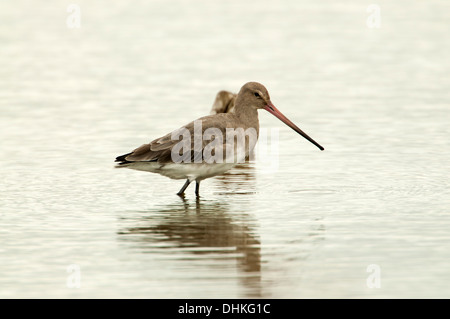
(157, 156)
(224, 102)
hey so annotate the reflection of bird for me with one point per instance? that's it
(239, 180)
(200, 229)
(224, 102)
(157, 156)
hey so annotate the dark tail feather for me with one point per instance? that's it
(122, 159)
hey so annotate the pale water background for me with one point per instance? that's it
(377, 99)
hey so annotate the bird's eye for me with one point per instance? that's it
(257, 95)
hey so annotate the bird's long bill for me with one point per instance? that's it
(273, 110)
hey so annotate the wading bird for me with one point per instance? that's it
(162, 155)
(224, 102)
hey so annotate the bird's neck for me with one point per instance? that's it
(247, 115)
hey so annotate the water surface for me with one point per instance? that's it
(71, 100)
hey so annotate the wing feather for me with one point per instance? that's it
(159, 150)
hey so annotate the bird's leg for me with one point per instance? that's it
(197, 188)
(181, 192)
